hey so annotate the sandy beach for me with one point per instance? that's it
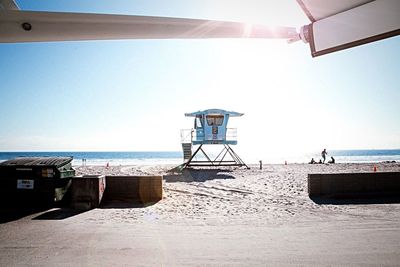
(227, 216)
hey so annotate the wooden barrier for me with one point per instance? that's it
(348, 184)
(145, 189)
(87, 191)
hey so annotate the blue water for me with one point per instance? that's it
(176, 157)
(102, 158)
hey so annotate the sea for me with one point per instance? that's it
(176, 157)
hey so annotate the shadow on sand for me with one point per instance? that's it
(359, 199)
(46, 211)
(9, 214)
(58, 214)
(124, 204)
(198, 175)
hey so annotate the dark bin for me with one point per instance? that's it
(35, 178)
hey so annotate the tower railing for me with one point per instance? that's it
(188, 135)
(231, 134)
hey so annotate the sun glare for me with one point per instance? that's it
(260, 83)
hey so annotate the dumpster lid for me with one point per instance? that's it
(38, 161)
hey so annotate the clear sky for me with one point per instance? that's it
(132, 95)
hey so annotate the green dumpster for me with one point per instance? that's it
(35, 178)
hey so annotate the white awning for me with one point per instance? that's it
(341, 24)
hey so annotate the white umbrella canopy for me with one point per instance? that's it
(335, 25)
(341, 24)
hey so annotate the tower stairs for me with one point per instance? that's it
(187, 151)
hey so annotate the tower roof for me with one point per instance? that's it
(214, 112)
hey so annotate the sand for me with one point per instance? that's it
(229, 216)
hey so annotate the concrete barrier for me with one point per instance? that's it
(87, 191)
(348, 184)
(145, 189)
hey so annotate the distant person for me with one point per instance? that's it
(323, 154)
(320, 161)
(312, 161)
(332, 160)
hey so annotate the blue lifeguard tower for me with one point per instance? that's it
(210, 128)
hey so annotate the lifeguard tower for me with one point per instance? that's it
(210, 128)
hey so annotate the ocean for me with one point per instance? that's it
(176, 157)
(102, 158)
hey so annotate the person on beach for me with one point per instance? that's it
(312, 161)
(323, 154)
(332, 160)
